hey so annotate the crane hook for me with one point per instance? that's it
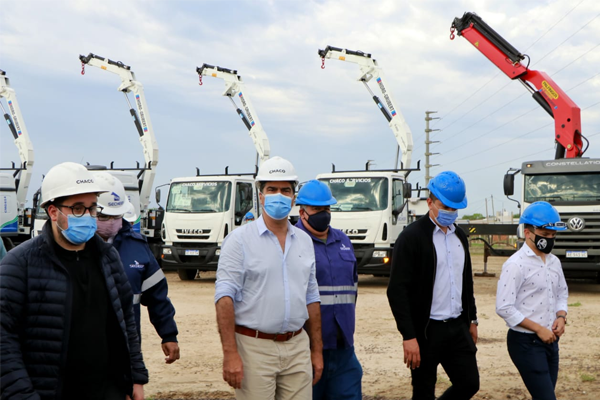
(82, 68)
(200, 78)
(452, 33)
(322, 62)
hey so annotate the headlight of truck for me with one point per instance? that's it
(167, 250)
(379, 253)
(217, 252)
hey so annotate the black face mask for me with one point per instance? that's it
(544, 244)
(319, 221)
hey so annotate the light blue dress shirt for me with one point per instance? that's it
(270, 288)
(447, 289)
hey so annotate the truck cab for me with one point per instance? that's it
(572, 186)
(372, 210)
(199, 213)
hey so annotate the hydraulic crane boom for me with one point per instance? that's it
(17, 127)
(566, 114)
(370, 69)
(142, 122)
(234, 86)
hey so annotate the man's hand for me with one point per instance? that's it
(412, 355)
(171, 350)
(546, 335)
(138, 392)
(316, 358)
(233, 369)
(473, 332)
(558, 327)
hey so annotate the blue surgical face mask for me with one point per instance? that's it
(446, 218)
(80, 230)
(277, 206)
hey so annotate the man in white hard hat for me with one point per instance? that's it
(266, 291)
(68, 329)
(148, 282)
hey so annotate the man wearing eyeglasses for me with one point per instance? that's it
(68, 328)
(148, 282)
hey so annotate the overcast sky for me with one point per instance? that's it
(313, 117)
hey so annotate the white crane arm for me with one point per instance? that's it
(142, 123)
(20, 134)
(370, 69)
(234, 86)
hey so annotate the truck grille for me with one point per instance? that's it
(586, 238)
(193, 234)
(356, 234)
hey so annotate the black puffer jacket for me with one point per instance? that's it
(35, 302)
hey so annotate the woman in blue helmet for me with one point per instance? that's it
(532, 299)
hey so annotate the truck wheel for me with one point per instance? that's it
(187, 274)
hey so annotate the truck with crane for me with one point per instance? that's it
(139, 180)
(202, 209)
(15, 220)
(570, 182)
(372, 205)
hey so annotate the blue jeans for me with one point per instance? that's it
(536, 361)
(342, 375)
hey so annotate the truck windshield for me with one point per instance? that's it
(358, 194)
(565, 188)
(199, 197)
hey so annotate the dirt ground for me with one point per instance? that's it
(198, 374)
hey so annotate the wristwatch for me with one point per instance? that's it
(476, 322)
(563, 317)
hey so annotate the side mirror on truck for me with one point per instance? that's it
(509, 184)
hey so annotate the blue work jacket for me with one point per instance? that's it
(148, 282)
(337, 277)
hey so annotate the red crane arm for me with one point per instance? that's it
(566, 114)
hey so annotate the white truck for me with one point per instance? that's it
(201, 210)
(137, 180)
(15, 219)
(372, 206)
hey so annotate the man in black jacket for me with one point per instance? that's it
(68, 329)
(431, 295)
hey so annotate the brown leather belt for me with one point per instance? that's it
(278, 337)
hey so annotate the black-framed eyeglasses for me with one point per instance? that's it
(79, 209)
(104, 217)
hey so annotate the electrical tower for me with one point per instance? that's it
(427, 143)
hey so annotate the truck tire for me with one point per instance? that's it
(187, 274)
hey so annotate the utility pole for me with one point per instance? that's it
(427, 143)
(493, 210)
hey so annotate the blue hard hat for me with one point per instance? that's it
(541, 214)
(315, 193)
(249, 215)
(450, 189)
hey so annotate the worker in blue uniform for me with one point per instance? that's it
(337, 277)
(147, 280)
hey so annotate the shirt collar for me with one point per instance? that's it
(262, 227)
(331, 235)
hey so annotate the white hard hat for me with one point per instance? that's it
(67, 179)
(130, 215)
(114, 201)
(277, 169)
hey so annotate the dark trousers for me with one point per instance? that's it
(536, 361)
(450, 344)
(342, 375)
